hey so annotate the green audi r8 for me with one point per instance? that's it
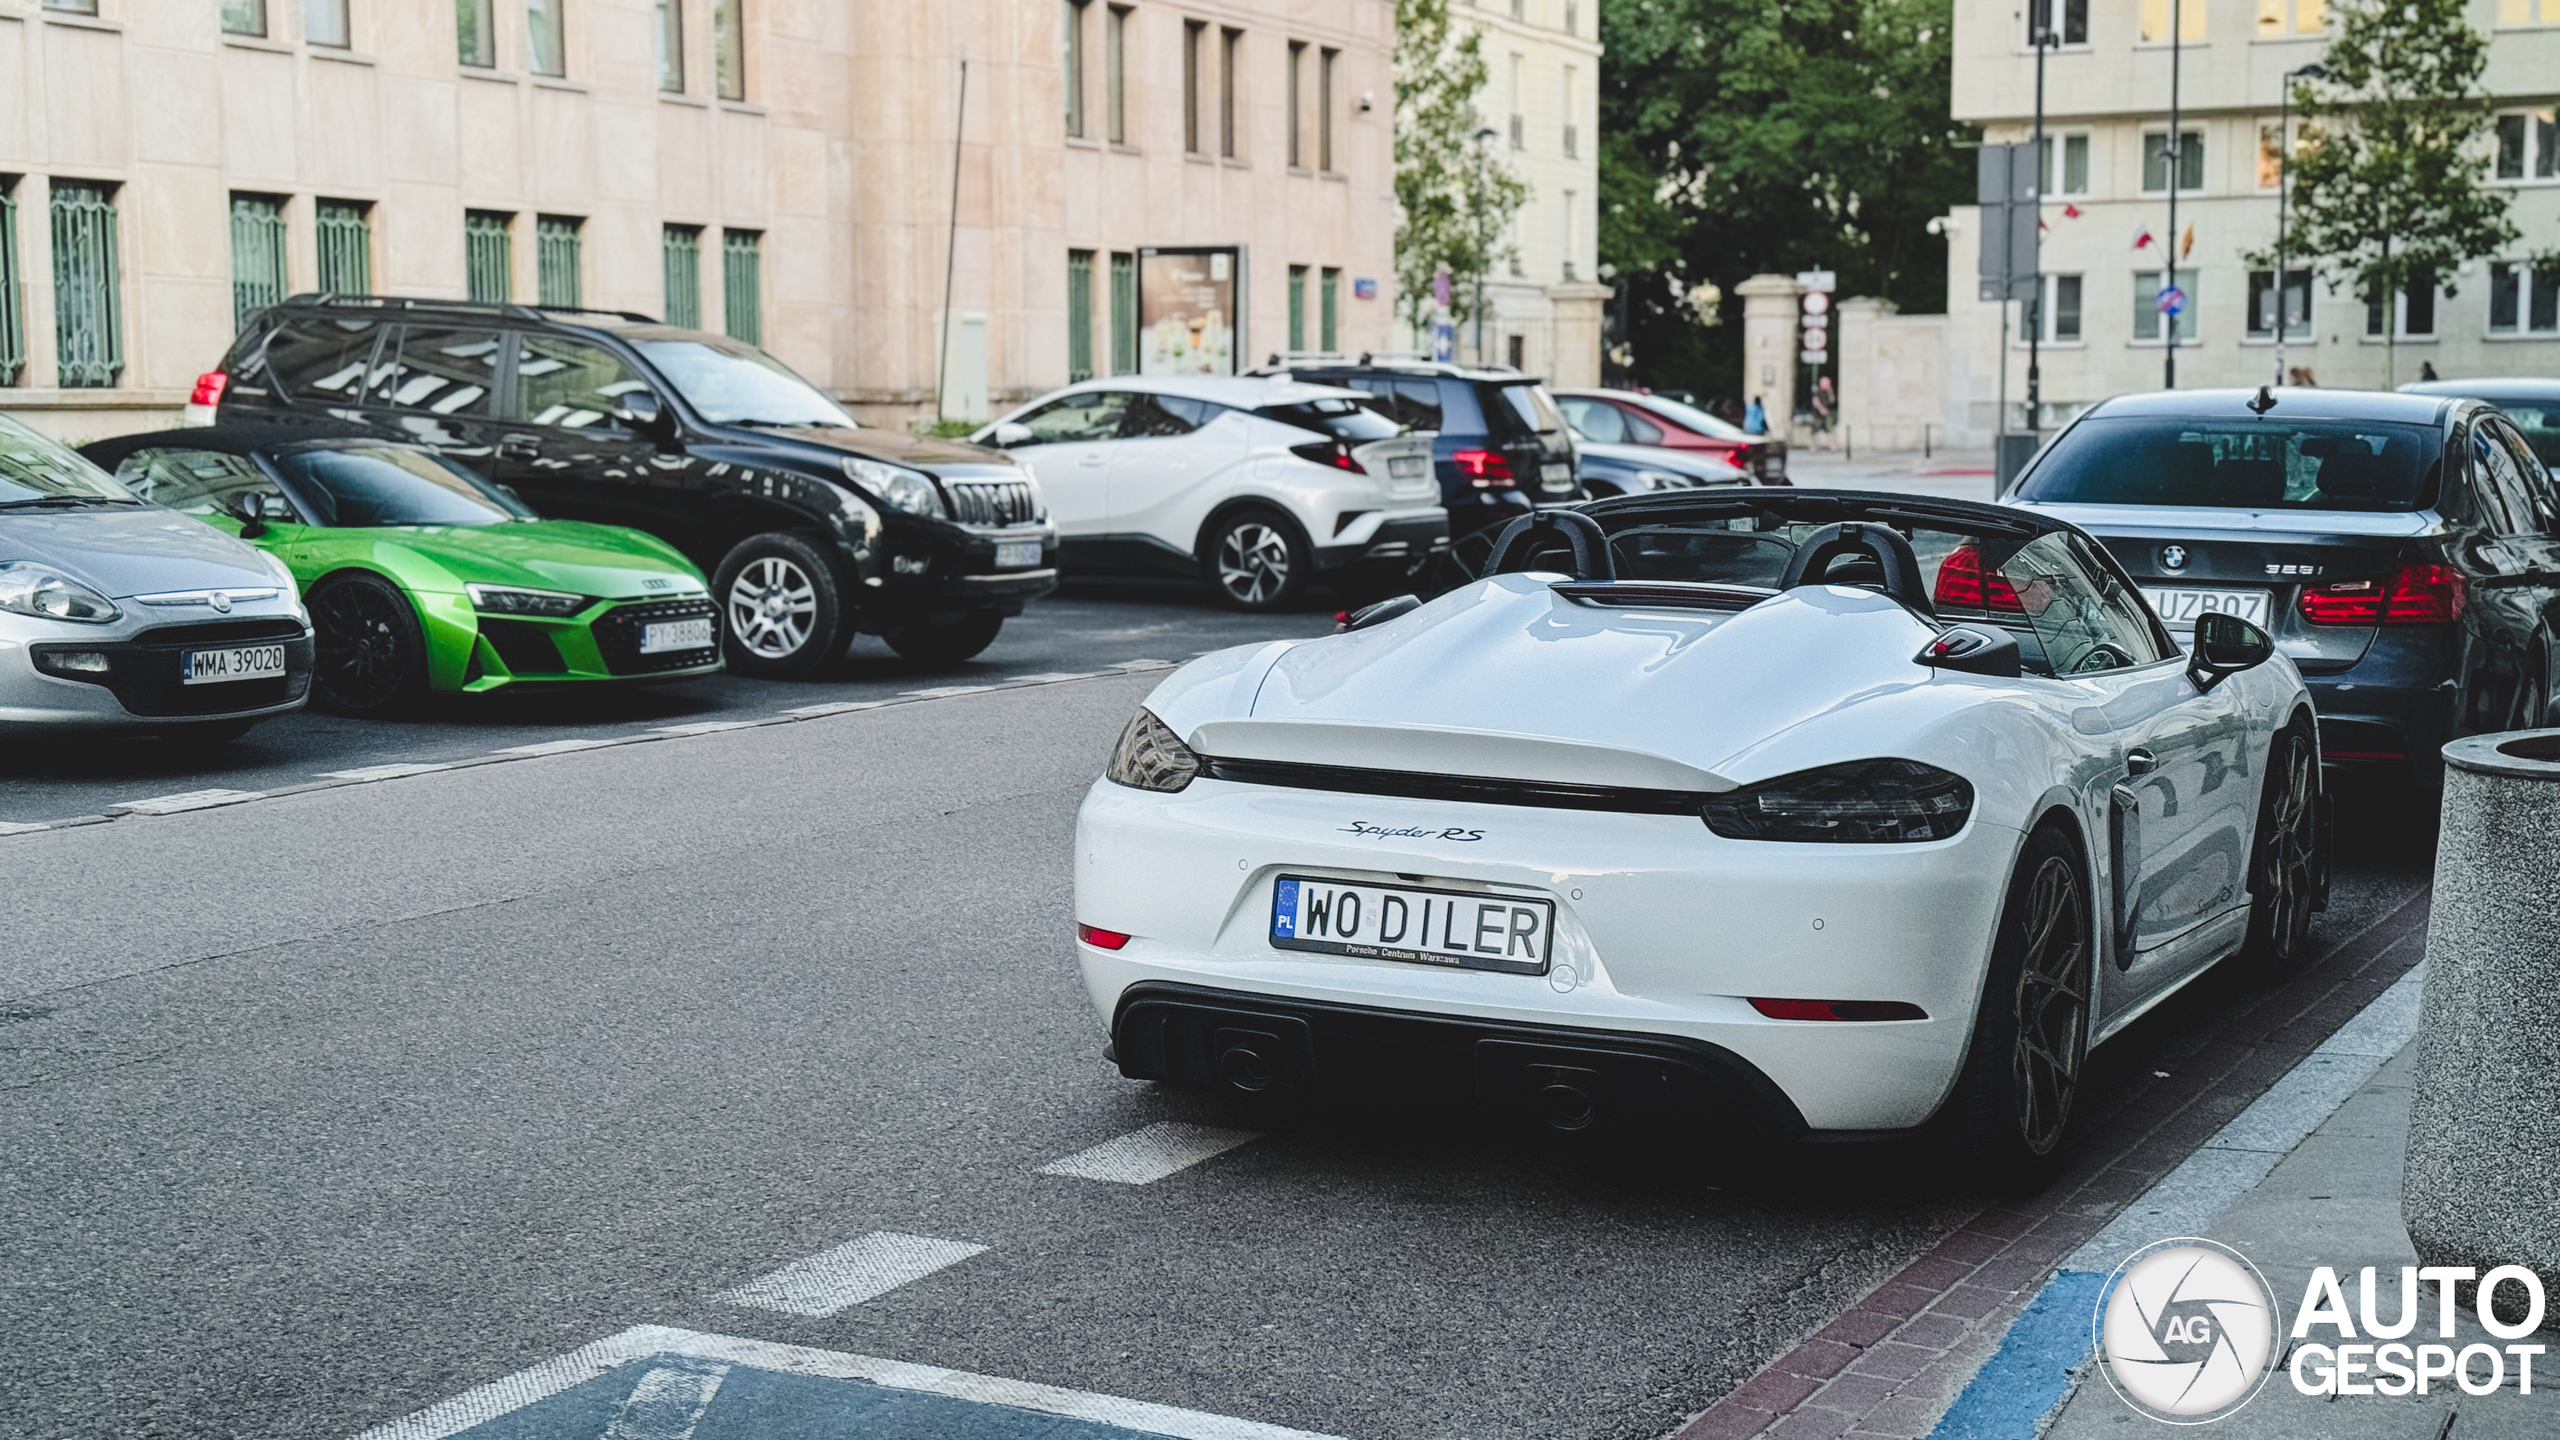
(422, 576)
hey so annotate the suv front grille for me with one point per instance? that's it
(993, 502)
(617, 634)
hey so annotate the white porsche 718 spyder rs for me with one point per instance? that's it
(1806, 814)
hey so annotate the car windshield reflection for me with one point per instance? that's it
(361, 486)
(741, 385)
(36, 473)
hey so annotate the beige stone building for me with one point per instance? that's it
(1206, 174)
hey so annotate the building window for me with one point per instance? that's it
(671, 46)
(2070, 175)
(555, 261)
(257, 255)
(1192, 30)
(2414, 307)
(1230, 123)
(1079, 315)
(244, 17)
(1297, 307)
(2521, 297)
(343, 230)
(2155, 161)
(1297, 100)
(2155, 22)
(88, 324)
(2529, 144)
(73, 7)
(2061, 309)
(1570, 242)
(2146, 305)
(680, 273)
(1071, 63)
(1519, 120)
(1573, 17)
(1329, 311)
(2262, 302)
(742, 284)
(1572, 132)
(2310, 17)
(2059, 22)
(546, 41)
(1517, 351)
(475, 33)
(1327, 61)
(2271, 155)
(488, 255)
(1124, 313)
(1115, 72)
(13, 329)
(729, 48)
(324, 22)
(2521, 12)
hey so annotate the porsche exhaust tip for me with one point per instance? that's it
(1248, 1059)
(1564, 1097)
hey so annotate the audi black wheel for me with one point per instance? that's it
(369, 656)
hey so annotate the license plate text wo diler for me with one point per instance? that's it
(1468, 929)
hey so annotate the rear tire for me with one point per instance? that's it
(781, 606)
(369, 654)
(1257, 560)
(949, 644)
(2013, 1103)
(2287, 866)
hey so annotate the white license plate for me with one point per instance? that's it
(1404, 467)
(214, 667)
(2181, 604)
(1017, 554)
(662, 636)
(1555, 477)
(1464, 928)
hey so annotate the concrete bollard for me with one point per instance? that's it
(2481, 1183)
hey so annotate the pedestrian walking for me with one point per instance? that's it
(1755, 417)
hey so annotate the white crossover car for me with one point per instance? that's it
(1805, 813)
(1252, 484)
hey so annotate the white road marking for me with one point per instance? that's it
(380, 772)
(1143, 1157)
(837, 707)
(860, 1269)
(667, 1403)
(191, 800)
(540, 1382)
(945, 692)
(12, 827)
(705, 727)
(551, 747)
(1140, 665)
(1053, 679)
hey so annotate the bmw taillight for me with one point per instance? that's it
(209, 388)
(1965, 583)
(1336, 453)
(2414, 595)
(1485, 469)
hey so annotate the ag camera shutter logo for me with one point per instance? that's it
(2187, 1331)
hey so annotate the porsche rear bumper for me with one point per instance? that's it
(1664, 931)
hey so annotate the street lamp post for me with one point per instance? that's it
(2284, 192)
(2176, 164)
(1484, 242)
(2043, 13)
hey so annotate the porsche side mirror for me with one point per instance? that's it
(640, 412)
(1973, 650)
(2225, 646)
(1005, 435)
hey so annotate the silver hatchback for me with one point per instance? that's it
(117, 614)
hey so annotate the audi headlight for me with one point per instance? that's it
(1151, 757)
(27, 588)
(1865, 802)
(514, 600)
(898, 487)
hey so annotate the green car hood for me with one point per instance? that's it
(606, 561)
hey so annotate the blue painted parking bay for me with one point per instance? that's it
(656, 1383)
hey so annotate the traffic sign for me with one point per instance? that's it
(2172, 300)
(1816, 302)
(1814, 357)
(1817, 281)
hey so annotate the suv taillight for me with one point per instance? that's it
(1965, 583)
(209, 388)
(1336, 453)
(2414, 595)
(1485, 469)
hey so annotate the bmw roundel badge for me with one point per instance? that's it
(2173, 557)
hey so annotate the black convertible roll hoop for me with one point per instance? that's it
(1897, 568)
(1519, 541)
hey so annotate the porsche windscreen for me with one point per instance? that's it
(2239, 464)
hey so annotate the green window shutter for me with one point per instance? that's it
(555, 239)
(742, 285)
(1079, 315)
(13, 334)
(1124, 313)
(257, 255)
(1331, 316)
(680, 256)
(1297, 307)
(487, 258)
(87, 319)
(346, 247)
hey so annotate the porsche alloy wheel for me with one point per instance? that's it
(2052, 999)
(2284, 870)
(369, 656)
(1256, 563)
(780, 607)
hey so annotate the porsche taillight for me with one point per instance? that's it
(1965, 583)
(2414, 595)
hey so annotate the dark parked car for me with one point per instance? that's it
(2403, 549)
(812, 527)
(2533, 404)
(1636, 417)
(1499, 445)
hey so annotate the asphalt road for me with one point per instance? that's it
(325, 1107)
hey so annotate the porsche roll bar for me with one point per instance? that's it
(1885, 546)
(1518, 542)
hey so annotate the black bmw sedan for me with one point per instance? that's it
(2404, 550)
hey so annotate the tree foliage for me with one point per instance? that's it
(1742, 136)
(1454, 203)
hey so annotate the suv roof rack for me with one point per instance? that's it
(1282, 362)
(508, 308)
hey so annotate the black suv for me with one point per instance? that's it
(1499, 443)
(812, 528)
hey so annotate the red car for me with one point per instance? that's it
(1624, 417)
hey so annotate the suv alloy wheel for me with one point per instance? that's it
(781, 608)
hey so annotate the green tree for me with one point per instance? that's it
(1741, 137)
(1454, 201)
(2389, 173)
